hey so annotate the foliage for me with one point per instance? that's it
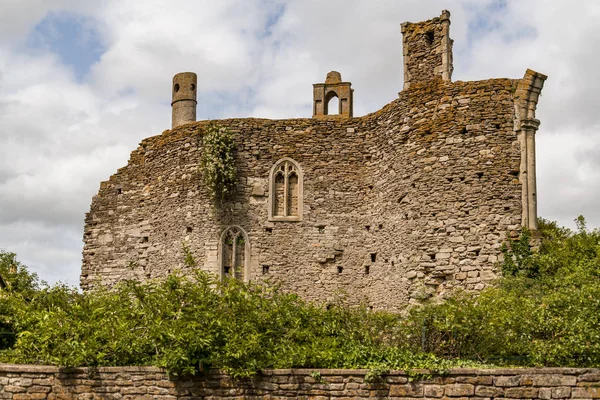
(217, 162)
(20, 284)
(518, 256)
(316, 375)
(544, 312)
(188, 324)
(188, 258)
(16, 276)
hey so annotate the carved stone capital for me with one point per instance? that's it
(530, 124)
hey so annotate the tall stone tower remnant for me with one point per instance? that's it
(427, 50)
(184, 98)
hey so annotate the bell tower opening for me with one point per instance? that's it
(333, 97)
(332, 104)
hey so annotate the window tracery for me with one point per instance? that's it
(285, 194)
(234, 253)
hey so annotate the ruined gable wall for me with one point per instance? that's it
(394, 206)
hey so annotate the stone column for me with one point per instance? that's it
(527, 94)
(528, 176)
(446, 47)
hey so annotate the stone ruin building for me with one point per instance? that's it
(389, 208)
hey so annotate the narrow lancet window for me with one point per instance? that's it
(279, 193)
(234, 253)
(292, 208)
(285, 194)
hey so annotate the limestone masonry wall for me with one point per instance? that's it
(25, 382)
(400, 205)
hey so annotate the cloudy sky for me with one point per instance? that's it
(82, 82)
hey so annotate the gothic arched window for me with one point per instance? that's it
(285, 191)
(234, 253)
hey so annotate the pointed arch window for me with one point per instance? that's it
(285, 191)
(234, 253)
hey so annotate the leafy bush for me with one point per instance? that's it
(20, 284)
(217, 162)
(16, 276)
(188, 324)
(544, 312)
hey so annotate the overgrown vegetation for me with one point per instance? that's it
(18, 282)
(217, 162)
(187, 325)
(544, 312)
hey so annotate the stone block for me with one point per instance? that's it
(521, 392)
(433, 391)
(585, 393)
(459, 390)
(545, 393)
(554, 380)
(488, 391)
(409, 390)
(561, 392)
(507, 381)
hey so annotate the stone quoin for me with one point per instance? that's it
(388, 209)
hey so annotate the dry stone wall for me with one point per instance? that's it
(399, 205)
(24, 382)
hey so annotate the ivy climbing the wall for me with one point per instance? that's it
(217, 162)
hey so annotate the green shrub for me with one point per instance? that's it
(16, 276)
(544, 312)
(20, 284)
(189, 324)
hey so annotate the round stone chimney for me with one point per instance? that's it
(184, 98)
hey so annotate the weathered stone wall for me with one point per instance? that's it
(403, 203)
(446, 187)
(25, 382)
(398, 206)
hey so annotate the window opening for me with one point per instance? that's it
(429, 37)
(234, 252)
(286, 191)
(333, 106)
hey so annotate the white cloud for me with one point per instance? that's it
(60, 136)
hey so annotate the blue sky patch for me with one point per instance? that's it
(73, 37)
(490, 18)
(274, 14)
